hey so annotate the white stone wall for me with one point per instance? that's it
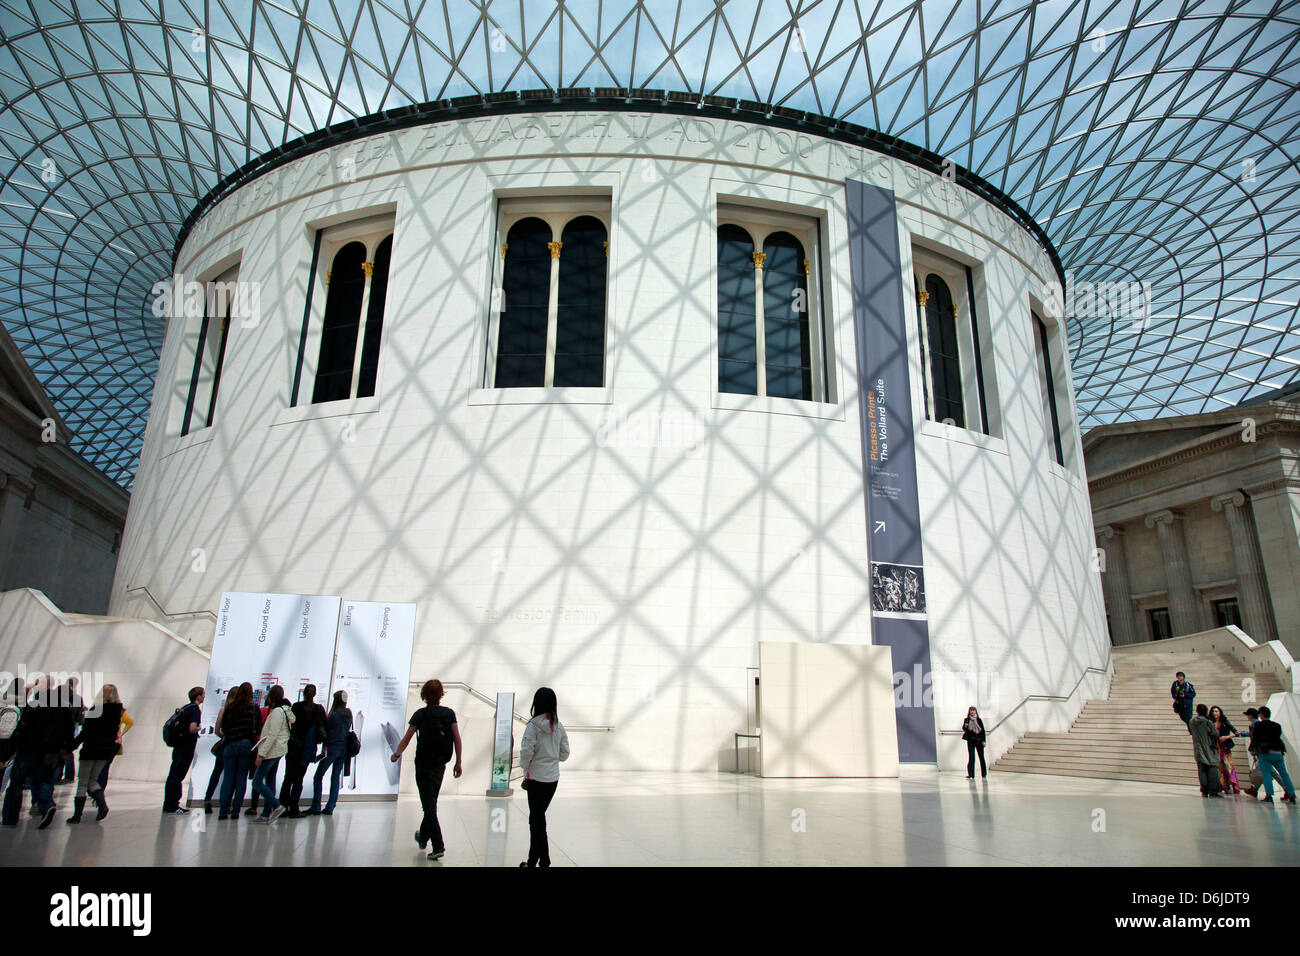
(541, 548)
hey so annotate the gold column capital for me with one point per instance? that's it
(504, 247)
(555, 248)
(807, 269)
(925, 297)
(328, 273)
(759, 258)
(368, 268)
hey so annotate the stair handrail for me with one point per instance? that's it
(475, 692)
(1050, 697)
(162, 610)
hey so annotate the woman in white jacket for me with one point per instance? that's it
(545, 746)
(271, 746)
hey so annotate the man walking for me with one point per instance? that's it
(183, 753)
(1184, 695)
(1266, 738)
(1205, 745)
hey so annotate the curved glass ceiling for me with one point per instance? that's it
(1155, 142)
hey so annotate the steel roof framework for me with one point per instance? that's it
(1153, 141)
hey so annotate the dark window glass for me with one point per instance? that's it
(945, 353)
(196, 372)
(580, 315)
(526, 288)
(338, 341)
(374, 320)
(221, 360)
(787, 345)
(1161, 628)
(1049, 387)
(1227, 613)
(209, 353)
(737, 323)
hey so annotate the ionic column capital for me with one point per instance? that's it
(1166, 516)
(1234, 499)
(1109, 531)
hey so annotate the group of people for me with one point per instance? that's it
(41, 729)
(1214, 739)
(253, 740)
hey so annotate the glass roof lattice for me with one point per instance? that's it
(1155, 143)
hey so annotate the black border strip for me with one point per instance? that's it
(611, 99)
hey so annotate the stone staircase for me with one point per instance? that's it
(1134, 734)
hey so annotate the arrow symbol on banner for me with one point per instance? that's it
(880, 526)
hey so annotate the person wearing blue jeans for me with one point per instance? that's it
(236, 756)
(264, 784)
(271, 746)
(337, 725)
(238, 725)
(1266, 738)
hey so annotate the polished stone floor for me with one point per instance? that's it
(662, 819)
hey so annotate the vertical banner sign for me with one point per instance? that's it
(374, 667)
(898, 615)
(265, 639)
(502, 743)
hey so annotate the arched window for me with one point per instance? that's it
(737, 312)
(944, 352)
(787, 349)
(350, 263)
(369, 368)
(580, 313)
(338, 341)
(525, 306)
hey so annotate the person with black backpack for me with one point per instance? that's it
(438, 732)
(308, 731)
(338, 730)
(181, 733)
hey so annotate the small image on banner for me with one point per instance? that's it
(897, 588)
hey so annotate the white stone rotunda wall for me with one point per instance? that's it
(542, 546)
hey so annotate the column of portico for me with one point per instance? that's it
(1115, 585)
(1184, 614)
(1276, 510)
(1256, 612)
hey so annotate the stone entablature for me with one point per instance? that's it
(1201, 523)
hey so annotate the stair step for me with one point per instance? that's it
(1104, 775)
(1043, 761)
